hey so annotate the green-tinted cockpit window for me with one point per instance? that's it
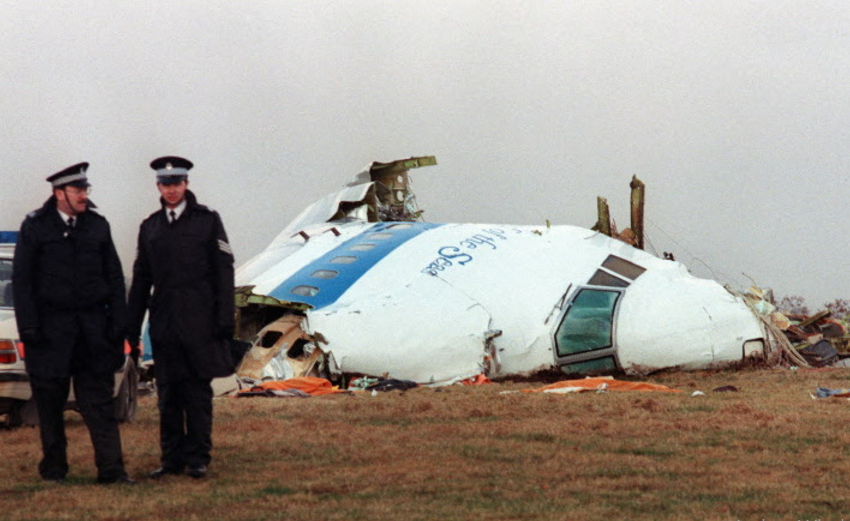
(604, 365)
(588, 323)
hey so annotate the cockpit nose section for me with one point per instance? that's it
(684, 322)
(661, 318)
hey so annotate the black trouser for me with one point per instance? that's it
(93, 394)
(185, 422)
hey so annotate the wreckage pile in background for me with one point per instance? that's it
(817, 340)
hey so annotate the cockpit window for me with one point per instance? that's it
(588, 323)
(603, 278)
(603, 365)
(625, 268)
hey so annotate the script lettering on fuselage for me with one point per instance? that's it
(463, 253)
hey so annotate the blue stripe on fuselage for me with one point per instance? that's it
(329, 290)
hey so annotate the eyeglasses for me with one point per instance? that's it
(78, 191)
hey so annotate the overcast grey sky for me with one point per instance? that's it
(734, 113)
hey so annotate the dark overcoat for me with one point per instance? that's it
(69, 287)
(189, 267)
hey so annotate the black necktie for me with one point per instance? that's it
(173, 216)
(70, 222)
(70, 227)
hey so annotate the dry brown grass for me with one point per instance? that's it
(766, 452)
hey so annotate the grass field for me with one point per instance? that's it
(768, 451)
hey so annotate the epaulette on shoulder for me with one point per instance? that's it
(38, 213)
(204, 208)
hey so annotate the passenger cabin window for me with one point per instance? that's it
(366, 246)
(324, 274)
(588, 323)
(343, 259)
(305, 291)
(379, 236)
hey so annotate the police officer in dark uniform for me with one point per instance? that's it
(183, 254)
(71, 314)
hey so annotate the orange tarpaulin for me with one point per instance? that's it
(600, 384)
(308, 384)
(476, 380)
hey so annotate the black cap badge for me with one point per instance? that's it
(171, 169)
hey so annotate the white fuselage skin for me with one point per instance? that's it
(458, 300)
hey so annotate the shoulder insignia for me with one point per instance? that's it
(224, 247)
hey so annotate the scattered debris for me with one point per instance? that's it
(725, 389)
(823, 392)
(821, 354)
(392, 385)
(806, 340)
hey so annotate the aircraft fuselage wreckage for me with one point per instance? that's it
(357, 285)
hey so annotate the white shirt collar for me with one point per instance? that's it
(178, 210)
(64, 216)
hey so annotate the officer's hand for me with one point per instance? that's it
(135, 349)
(31, 337)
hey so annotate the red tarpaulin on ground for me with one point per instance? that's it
(606, 384)
(476, 380)
(308, 384)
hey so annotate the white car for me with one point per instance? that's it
(16, 401)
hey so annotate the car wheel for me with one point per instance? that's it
(29, 413)
(13, 417)
(128, 393)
